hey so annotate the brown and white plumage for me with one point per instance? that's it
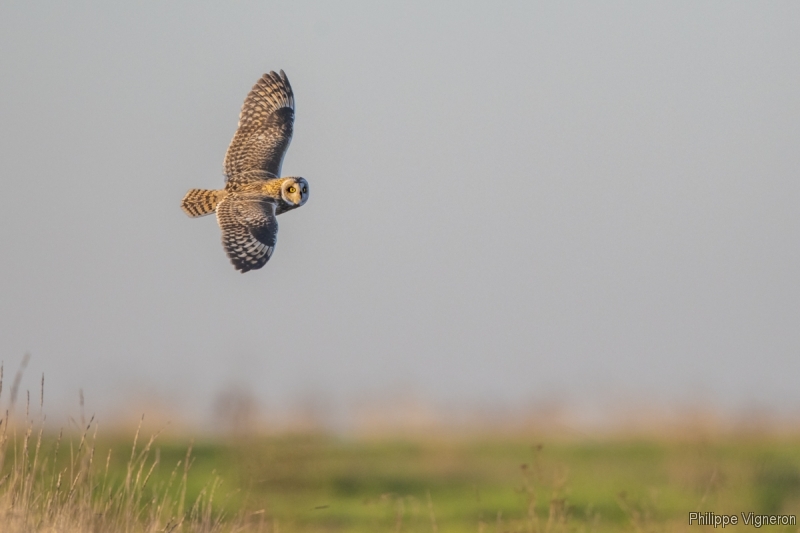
(265, 127)
(254, 194)
(249, 229)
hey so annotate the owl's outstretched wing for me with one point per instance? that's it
(265, 127)
(249, 231)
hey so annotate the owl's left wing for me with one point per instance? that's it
(265, 127)
(249, 231)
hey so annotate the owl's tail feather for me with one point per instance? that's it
(201, 202)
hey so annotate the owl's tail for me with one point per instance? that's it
(201, 202)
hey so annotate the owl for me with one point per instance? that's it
(254, 193)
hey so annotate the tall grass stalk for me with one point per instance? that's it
(42, 491)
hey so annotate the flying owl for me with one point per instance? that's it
(254, 194)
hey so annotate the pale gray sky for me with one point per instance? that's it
(509, 202)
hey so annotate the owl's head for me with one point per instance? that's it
(294, 191)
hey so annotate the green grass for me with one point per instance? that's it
(82, 481)
(323, 483)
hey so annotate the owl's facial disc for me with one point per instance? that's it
(295, 191)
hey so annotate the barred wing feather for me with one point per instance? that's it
(265, 128)
(249, 231)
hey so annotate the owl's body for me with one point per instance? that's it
(254, 195)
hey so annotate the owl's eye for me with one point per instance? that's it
(305, 190)
(292, 189)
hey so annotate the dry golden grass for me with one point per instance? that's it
(60, 485)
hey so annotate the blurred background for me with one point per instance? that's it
(571, 212)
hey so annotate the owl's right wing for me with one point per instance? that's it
(249, 231)
(265, 127)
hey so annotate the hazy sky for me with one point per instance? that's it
(509, 202)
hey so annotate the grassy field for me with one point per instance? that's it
(296, 483)
(82, 480)
(317, 483)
